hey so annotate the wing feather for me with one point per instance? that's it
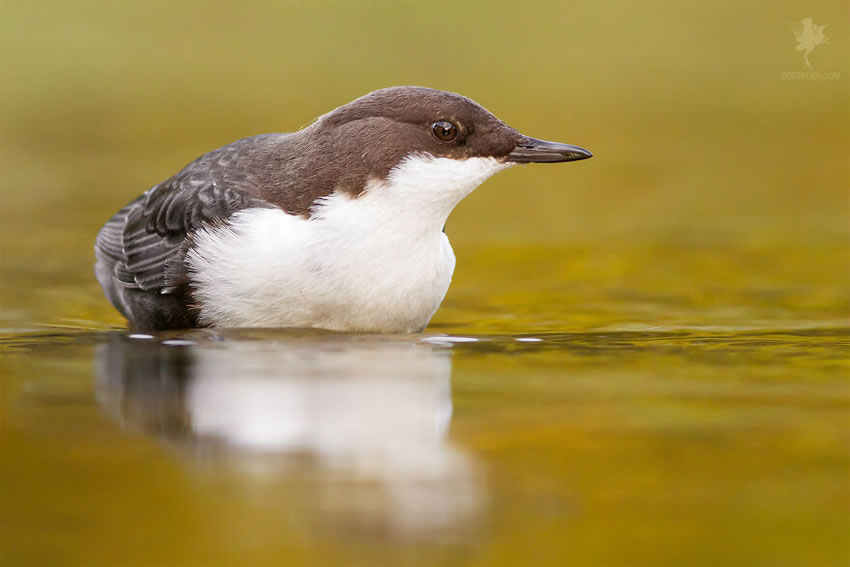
(109, 244)
(146, 239)
(141, 250)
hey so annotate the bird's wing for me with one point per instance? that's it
(146, 241)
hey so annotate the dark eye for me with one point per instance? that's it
(444, 130)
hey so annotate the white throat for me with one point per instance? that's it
(422, 190)
(378, 262)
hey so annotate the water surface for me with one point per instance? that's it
(270, 447)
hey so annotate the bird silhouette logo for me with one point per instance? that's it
(809, 35)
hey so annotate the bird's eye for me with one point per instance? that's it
(444, 130)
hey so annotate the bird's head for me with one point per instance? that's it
(423, 144)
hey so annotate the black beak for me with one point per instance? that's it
(531, 150)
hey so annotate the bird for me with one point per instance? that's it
(337, 226)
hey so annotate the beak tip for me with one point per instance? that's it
(583, 154)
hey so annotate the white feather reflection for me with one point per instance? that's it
(371, 416)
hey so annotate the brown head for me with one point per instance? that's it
(371, 136)
(396, 121)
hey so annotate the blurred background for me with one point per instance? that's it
(682, 397)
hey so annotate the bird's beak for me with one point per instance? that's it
(531, 150)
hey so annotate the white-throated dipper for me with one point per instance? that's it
(337, 226)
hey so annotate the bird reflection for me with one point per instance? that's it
(359, 412)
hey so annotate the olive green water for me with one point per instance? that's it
(643, 358)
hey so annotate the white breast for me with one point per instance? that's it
(379, 262)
